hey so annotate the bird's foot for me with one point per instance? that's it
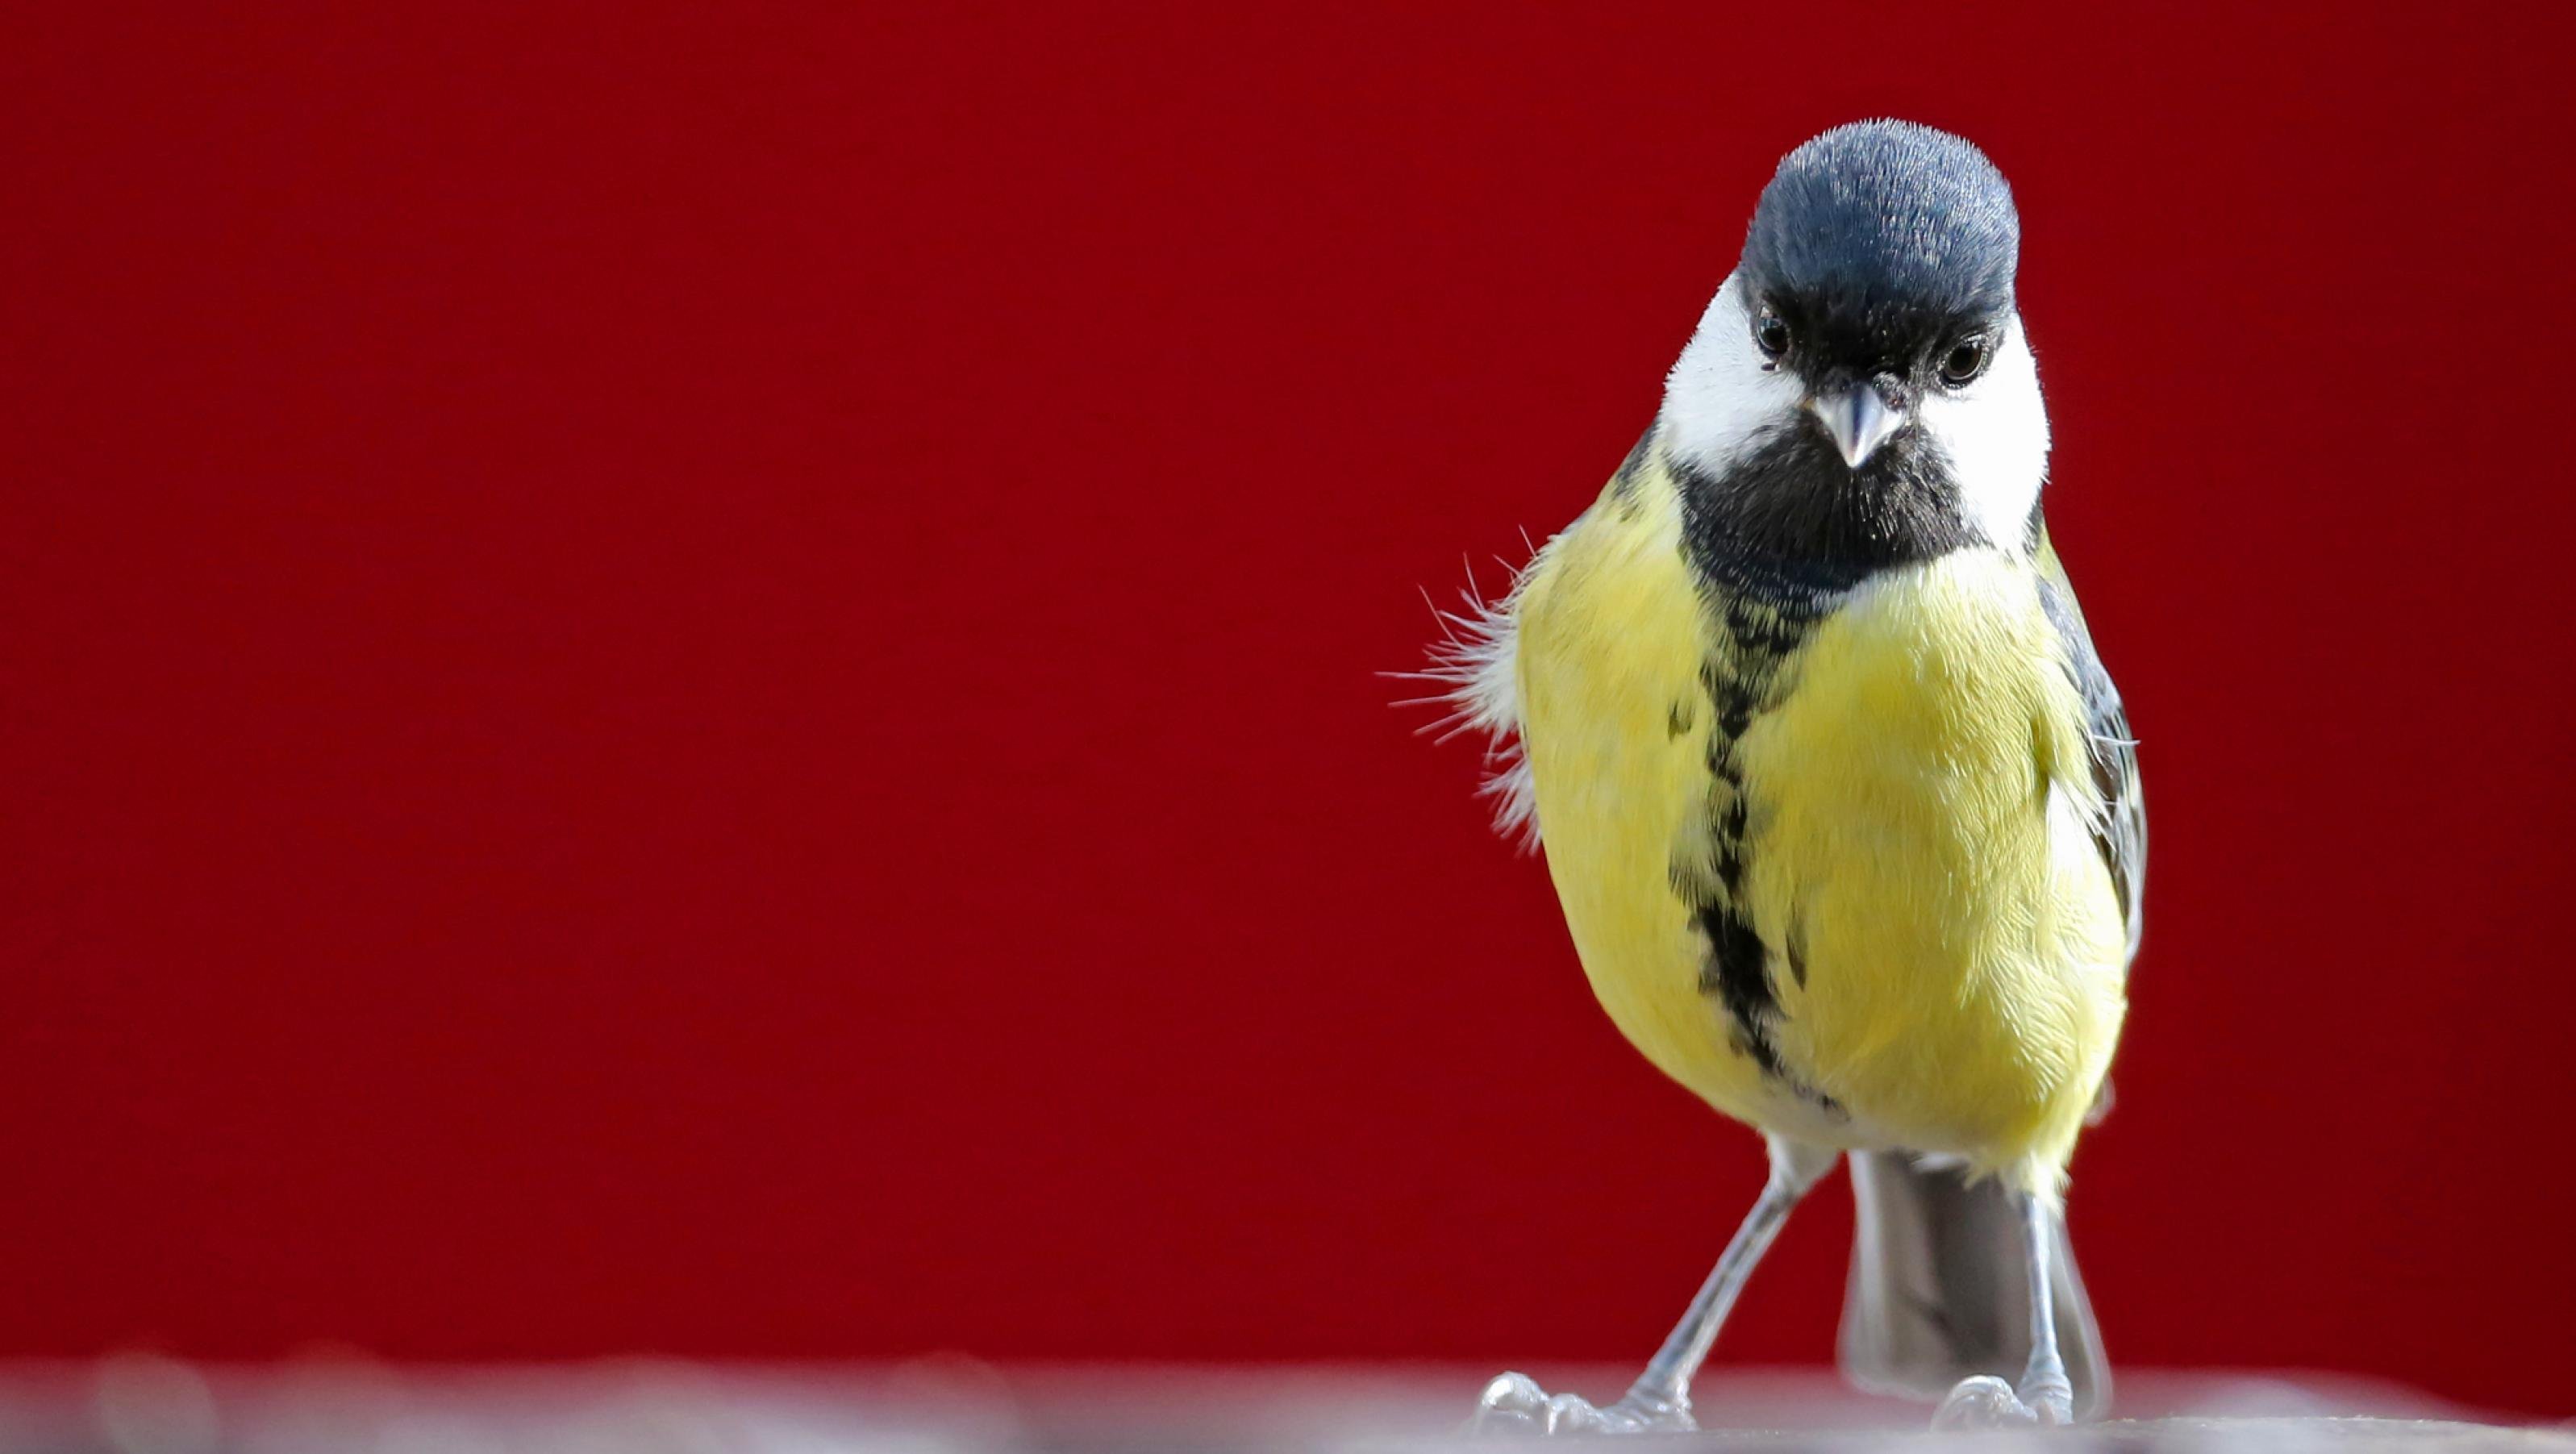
(1515, 1404)
(1987, 1402)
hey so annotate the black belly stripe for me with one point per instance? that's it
(1739, 975)
(1744, 677)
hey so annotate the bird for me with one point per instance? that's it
(1841, 807)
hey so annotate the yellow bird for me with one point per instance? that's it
(1841, 806)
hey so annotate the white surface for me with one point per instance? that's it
(149, 1405)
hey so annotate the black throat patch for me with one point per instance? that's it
(1789, 521)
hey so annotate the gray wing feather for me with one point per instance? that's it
(2122, 836)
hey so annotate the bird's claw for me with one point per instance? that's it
(1514, 1403)
(1987, 1402)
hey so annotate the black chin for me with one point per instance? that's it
(1790, 521)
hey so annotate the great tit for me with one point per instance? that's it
(1841, 807)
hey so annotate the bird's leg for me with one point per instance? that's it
(2045, 1396)
(1660, 1398)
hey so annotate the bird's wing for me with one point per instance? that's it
(2121, 832)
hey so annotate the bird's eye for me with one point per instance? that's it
(1770, 334)
(1965, 360)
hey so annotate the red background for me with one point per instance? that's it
(702, 680)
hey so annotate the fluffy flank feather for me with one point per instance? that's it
(1476, 659)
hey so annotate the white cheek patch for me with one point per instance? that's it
(1720, 396)
(1995, 432)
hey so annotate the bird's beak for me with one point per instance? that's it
(1858, 419)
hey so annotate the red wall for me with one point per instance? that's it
(704, 681)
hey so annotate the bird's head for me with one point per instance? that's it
(1868, 338)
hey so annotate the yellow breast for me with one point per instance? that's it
(1912, 826)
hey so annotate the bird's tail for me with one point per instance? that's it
(1939, 1287)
